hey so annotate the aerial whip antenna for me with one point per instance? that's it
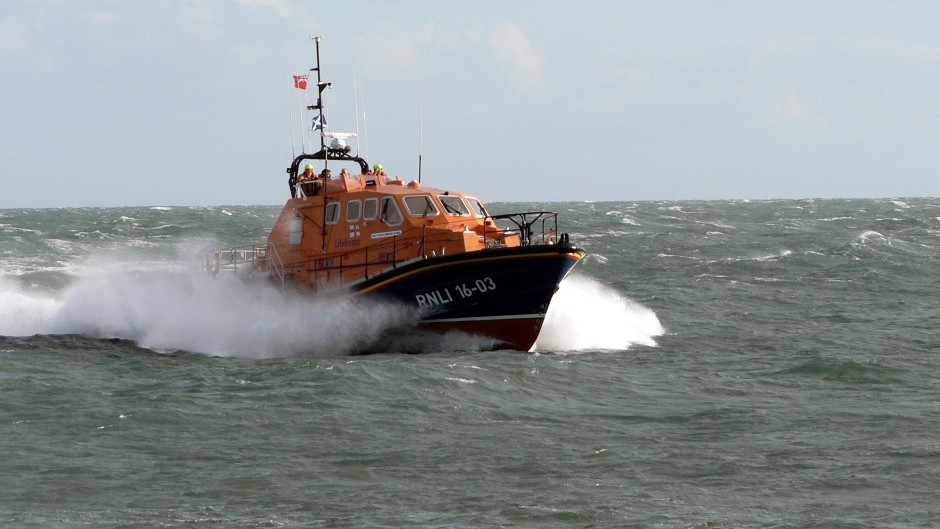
(365, 125)
(420, 126)
(290, 112)
(356, 97)
(300, 110)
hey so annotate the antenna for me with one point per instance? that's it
(365, 127)
(290, 112)
(420, 126)
(300, 111)
(356, 97)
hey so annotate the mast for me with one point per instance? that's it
(321, 86)
(322, 120)
(337, 149)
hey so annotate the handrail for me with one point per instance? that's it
(545, 234)
(259, 258)
(278, 263)
(531, 228)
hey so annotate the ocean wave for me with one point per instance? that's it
(846, 370)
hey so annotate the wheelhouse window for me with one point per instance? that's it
(453, 205)
(477, 207)
(370, 210)
(420, 206)
(391, 215)
(353, 209)
(332, 213)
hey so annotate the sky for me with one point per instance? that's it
(191, 102)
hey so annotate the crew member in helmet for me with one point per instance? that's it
(308, 175)
(307, 180)
(377, 169)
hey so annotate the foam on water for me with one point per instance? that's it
(23, 313)
(170, 309)
(586, 315)
(166, 308)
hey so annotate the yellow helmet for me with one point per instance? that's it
(309, 167)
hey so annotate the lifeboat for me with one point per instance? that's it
(352, 230)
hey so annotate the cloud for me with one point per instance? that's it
(15, 35)
(198, 11)
(281, 7)
(13, 39)
(634, 80)
(842, 47)
(791, 110)
(388, 50)
(891, 49)
(511, 47)
(202, 19)
(102, 18)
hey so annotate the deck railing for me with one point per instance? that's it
(531, 228)
(248, 260)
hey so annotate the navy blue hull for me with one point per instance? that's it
(501, 293)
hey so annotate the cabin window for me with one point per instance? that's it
(370, 210)
(296, 230)
(391, 215)
(453, 205)
(332, 213)
(420, 206)
(353, 209)
(477, 207)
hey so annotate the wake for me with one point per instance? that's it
(167, 309)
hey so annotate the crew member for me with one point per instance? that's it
(308, 175)
(377, 169)
(307, 180)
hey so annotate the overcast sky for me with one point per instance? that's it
(127, 103)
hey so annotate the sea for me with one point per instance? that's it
(709, 364)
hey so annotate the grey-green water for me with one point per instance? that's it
(711, 364)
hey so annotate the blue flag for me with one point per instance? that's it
(319, 121)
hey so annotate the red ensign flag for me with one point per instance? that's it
(300, 81)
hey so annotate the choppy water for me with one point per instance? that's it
(710, 364)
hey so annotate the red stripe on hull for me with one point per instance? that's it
(519, 334)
